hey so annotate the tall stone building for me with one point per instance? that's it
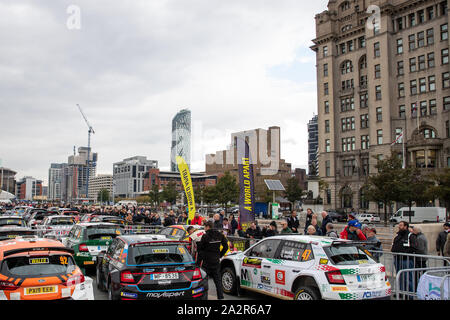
(380, 74)
(265, 155)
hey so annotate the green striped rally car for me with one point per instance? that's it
(89, 239)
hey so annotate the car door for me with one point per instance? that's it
(258, 264)
(293, 258)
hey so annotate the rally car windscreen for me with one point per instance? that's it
(11, 222)
(61, 222)
(158, 254)
(347, 255)
(101, 233)
(40, 265)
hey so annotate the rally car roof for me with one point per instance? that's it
(139, 238)
(25, 244)
(320, 240)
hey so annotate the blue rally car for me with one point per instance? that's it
(150, 267)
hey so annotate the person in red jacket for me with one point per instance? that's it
(353, 232)
(197, 219)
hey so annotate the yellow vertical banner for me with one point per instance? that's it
(187, 184)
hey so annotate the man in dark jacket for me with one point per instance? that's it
(293, 222)
(209, 254)
(309, 214)
(442, 237)
(404, 243)
(326, 219)
(253, 232)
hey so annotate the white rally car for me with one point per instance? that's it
(306, 268)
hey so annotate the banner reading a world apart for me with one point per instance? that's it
(187, 185)
(246, 186)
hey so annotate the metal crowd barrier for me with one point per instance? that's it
(446, 277)
(407, 281)
(140, 229)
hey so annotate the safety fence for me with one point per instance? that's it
(405, 271)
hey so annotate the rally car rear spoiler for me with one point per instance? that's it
(14, 251)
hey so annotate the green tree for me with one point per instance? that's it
(170, 193)
(198, 194)
(210, 195)
(414, 187)
(440, 188)
(386, 185)
(227, 190)
(293, 191)
(103, 195)
(155, 195)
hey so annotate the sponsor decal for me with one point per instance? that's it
(348, 296)
(371, 294)
(280, 277)
(349, 271)
(195, 291)
(284, 293)
(158, 295)
(265, 278)
(255, 271)
(160, 250)
(276, 261)
(326, 268)
(129, 295)
(251, 262)
(339, 289)
(39, 261)
(323, 261)
(246, 283)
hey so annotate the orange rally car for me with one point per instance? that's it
(33, 268)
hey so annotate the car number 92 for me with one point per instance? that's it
(246, 309)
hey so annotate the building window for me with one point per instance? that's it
(447, 129)
(325, 70)
(364, 121)
(398, 132)
(377, 71)
(365, 166)
(363, 63)
(412, 19)
(362, 42)
(343, 48)
(444, 32)
(376, 49)
(400, 68)
(347, 104)
(429, 134)
(327, 145)
(364, 100)
(422, 63)
(413, 87)
(325, 88)
(412, 42)
(412, 65)
(325, 51)
(444, 8)
(399, 46)
(378, 93)
(401, 90)
(400, 24)
(430, 13)
(327, 107)
(327, 168)
(446, 80)
(379, 137)
(347, 84)
(432, 83)
(363, 81)
(350, 44)
(402, 112)
(349, 167)
(430, 36)
(422, 85)
(444, 55)
(348, 144)
(446, 103)
(413, 110)
(421, 39)
(421, 16)
(431, 60)
(346, 67)
(423, 108)
(379, 114)
(348, 124)
(365, 144)
(327, 126)
(432, 106)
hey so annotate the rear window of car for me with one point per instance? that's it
(62, 222)
(158, 254)
(44, 265)
(11, 221)
(102, 232)
(347, 255)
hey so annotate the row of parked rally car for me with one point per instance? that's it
(162, 266)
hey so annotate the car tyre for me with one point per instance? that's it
(110, 292)
(306, 293)
(229, 281)
(100, 284)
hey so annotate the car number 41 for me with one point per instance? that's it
(247, 309)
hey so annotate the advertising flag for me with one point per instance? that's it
(246, 185)
(187, 184)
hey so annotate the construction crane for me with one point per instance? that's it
(91, 131)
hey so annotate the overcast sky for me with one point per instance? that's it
(132, 65)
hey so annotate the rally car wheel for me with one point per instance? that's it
(110, 292)
(306, 293)
(100, 284)
(228, 277)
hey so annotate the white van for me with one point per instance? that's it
(420, 214)
(128, 203)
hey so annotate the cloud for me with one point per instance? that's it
(132, 67)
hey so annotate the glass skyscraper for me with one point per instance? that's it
(181, 139)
